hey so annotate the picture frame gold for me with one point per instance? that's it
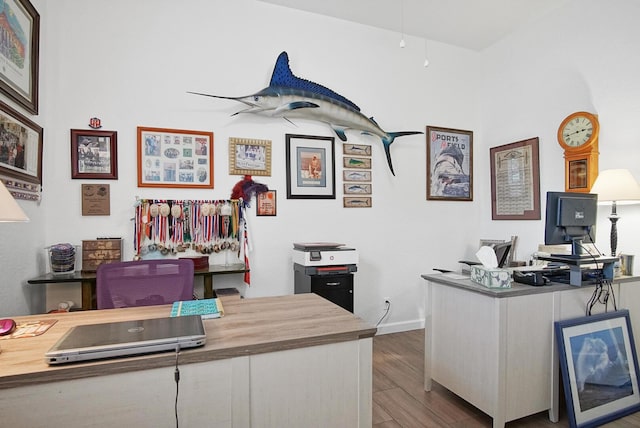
(248, 156)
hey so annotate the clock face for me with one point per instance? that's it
(577, 131)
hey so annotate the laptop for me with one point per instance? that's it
(127, 338)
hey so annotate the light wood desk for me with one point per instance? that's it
(88, 281)
(269, 362)
(496, 348)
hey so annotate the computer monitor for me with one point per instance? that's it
(571, 219)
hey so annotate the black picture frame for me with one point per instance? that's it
(304, 181)
(20, 60)
(599, 368)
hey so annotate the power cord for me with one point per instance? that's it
(176, 377)
(603, 289)
(386, 312)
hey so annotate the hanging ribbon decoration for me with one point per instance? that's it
(245, 244)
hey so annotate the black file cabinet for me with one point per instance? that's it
(334, 283)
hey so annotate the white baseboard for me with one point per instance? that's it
(398, 327)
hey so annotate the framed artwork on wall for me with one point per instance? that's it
(19, 53)
(249, 156)
(94, 154)
(599, 368)
(310, 162)
(175, 158)
(449, 164)
(266, 203)
(515, 181)
(20, 146)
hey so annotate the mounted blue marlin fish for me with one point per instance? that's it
(288, 96)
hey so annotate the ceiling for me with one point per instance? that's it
(470, 24)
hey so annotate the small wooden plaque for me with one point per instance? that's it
(96, 199)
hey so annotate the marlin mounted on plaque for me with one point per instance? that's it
(288, 96)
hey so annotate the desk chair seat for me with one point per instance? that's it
(144, 283)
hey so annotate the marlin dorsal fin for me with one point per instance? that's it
(282, 76)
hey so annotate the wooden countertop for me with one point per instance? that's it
(517, 289)
(250, 326)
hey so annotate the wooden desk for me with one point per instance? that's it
(496, 348)
(88, 281)
(295, 360)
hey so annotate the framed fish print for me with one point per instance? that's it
(449, 164)
(20, 146)
(175, 158)
(310, 162)
(19, 53)
(599, 368)
(94, 154)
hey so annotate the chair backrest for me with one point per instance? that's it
(144, 283)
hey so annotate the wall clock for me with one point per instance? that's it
(578, 136)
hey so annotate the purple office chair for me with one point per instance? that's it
(144, 283)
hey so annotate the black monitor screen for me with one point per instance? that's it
(570, 219)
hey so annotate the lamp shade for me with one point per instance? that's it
(9, 208)
(617, 185)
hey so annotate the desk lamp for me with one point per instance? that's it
(9, 208)
(618, 187)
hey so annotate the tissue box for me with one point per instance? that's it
(491, 277)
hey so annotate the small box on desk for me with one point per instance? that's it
(98, 251)
(491, 277)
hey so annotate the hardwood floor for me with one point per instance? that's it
(399, 399)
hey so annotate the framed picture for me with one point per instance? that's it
(515, 181)
(175, 158)
(19, 53)
(249, 157)
(266, 203)
(310, 167)
(353, 175)
(599, 368)
(357, 202)
(449, 164)
(20, 146)
(356, 188)
(94, 154)
(356, 149)
(356, 162)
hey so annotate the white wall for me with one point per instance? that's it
(131, 63)
(579, 58)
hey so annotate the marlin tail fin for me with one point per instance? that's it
(388, 140)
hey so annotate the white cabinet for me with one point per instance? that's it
(496, 348)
